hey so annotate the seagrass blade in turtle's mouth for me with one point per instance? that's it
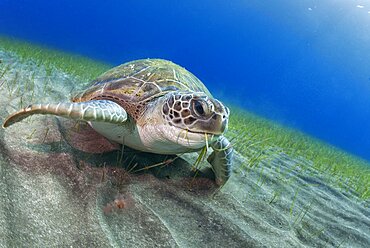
(204, 133)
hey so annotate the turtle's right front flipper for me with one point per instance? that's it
(221, 159)
(95, 110)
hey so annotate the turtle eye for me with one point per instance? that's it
(200, 107)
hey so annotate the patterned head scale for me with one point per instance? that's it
(195, 112)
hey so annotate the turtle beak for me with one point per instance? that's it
(217, 124)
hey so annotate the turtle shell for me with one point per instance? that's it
(136, 83)
(142, 79)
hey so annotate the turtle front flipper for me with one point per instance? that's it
(95, 110)
(221, 159)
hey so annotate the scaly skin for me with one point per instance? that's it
(98, 110)
(221, 159)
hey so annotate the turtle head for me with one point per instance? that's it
(195, 112)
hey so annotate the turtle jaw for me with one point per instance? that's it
(165, 139)
(197, 140)
(174, 140)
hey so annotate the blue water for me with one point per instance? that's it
(303, 63)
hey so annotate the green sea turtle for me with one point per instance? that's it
(151, 105)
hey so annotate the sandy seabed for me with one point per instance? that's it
(55, 191)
